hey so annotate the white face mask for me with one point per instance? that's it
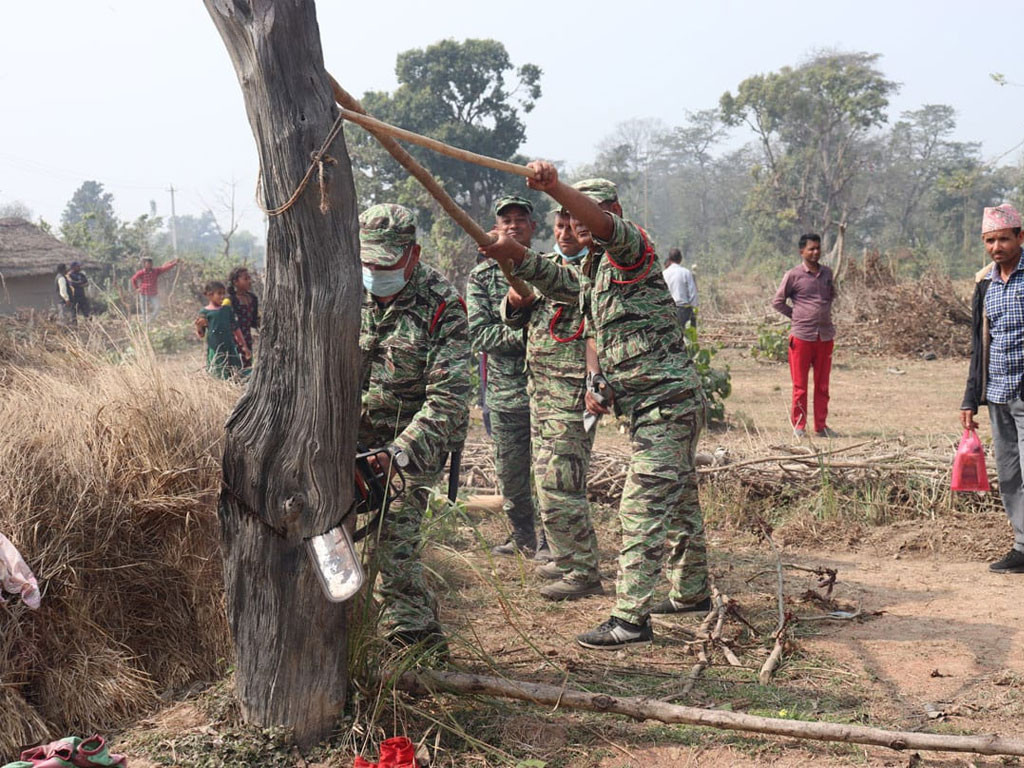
(386, 282)
(572, 259)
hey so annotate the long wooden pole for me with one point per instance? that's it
(428, 682)
(463, 219)
(373, 124)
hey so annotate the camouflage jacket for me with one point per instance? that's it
(505, 347)
(415, 370)
(556, 352)
(630, 315)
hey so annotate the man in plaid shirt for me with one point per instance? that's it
(145, 282)
(997, 365)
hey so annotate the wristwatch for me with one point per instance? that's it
(400, 457)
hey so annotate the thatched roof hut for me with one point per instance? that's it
(27, 251)
(28, 265)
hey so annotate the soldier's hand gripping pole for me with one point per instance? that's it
(471, 228)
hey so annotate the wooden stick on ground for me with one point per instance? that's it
(770, 664)
(463, 219)
(429, 682)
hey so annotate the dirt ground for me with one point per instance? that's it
(938, 649)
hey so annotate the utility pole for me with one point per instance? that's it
(174, 225)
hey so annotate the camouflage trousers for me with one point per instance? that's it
(561, 459)
(660, 511)
(511, 433)
(401, 590)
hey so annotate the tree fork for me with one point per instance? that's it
(287, 459)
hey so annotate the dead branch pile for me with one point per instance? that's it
(896, 476)
(881, 313)
(798, 467)
(108, 477)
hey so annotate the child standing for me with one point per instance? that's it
(223, 339)
(245, 305)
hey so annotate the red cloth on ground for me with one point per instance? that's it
(804, 355)
(397, 752)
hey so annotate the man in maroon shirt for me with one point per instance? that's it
(810, 288)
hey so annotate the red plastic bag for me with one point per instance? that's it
(397, 752)
(969, 473)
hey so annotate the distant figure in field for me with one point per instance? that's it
(682, 286)
(216, 322)
(810, 288)
(76, 289)
(145, 281)
(63, 293)
(245, 305)
(997, 365)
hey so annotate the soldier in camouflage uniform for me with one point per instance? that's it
(506, 395)
(639, 345)
(556, 371)
(415, 400)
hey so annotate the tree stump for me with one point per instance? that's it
(288, 460)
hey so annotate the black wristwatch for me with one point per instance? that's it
(399, 457)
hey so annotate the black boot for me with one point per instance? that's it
(543, 554)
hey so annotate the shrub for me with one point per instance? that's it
(772, 343)
(716, 382)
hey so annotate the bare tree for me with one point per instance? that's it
(290, 441)
(226, 205)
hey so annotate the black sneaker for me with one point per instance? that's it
(674, 606)
(1012, 563)
(616, 633)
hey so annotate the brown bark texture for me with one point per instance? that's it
(288, 459)
(430, 682)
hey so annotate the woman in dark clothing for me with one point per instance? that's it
(245, 305)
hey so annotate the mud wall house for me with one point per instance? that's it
(28, 266)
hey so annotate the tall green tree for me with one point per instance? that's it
(919, 152)
(88, 222)
(811, 125)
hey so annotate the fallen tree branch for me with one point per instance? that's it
(772, 662)
(705, 639)
(428, 682)
(764, 676)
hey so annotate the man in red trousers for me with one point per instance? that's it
(805, 296)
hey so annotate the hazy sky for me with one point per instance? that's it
(139, 94)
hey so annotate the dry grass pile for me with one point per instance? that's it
(108, 476)
(912, 317)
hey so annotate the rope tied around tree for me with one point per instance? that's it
(319, 160)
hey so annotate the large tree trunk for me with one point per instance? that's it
(288, 461)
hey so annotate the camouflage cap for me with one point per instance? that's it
(598, 190)
(384, 231)
(506, 200)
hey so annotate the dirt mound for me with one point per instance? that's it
(108, 475)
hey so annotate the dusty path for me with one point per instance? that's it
(950, 641)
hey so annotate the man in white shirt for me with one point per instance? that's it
(682, 286)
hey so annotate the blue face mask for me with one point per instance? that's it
(571, 259)
(384, 282)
